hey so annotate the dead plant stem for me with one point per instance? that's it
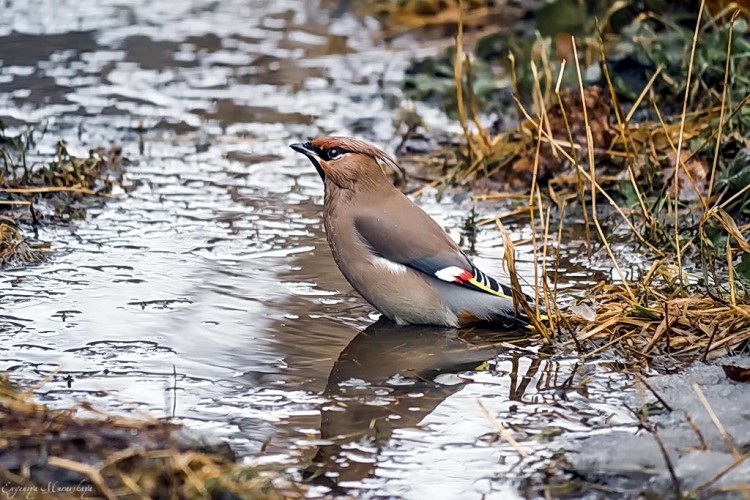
(579, 181)
(675, 177)
(723, 105)
(715, 419)
(592, 169)
(504, 433)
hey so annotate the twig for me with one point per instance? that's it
(668, 461)
(696, 429)
(656, 395)
(727, 438)
(710, 342)
(504, 433)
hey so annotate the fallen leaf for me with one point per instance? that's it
(737, 373)
(693, 175)
(727, 7)
(564, 47)
(551, 163)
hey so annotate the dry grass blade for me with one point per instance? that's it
(48, 189)
(502, 430)
(519, 298)
(742, 487)
(678, 162)
(643, 94)
(546, 298)
(90, 472)
(592, 173)
(458, 66)
(738, 461)
(580, 189)
(715, 419)
(724, 91)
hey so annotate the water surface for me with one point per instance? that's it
(208, 293)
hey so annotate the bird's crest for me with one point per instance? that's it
(357, 146)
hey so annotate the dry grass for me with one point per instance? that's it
(402, 16)
(14, 248)
(63, 181)
(666, 317)
(113, 457)
(664, 321)
(65, 173)
(664, 326)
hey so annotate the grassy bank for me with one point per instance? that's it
(65, 454)
(634, 121)
(48, 188)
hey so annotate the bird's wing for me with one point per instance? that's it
(423, 245)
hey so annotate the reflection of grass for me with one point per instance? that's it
(113, 457)
(62, 181)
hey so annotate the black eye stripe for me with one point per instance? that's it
(330, 153)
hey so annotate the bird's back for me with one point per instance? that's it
(382, 242)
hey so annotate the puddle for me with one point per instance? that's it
(407, 410)
(209, 294)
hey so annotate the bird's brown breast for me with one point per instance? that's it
(400, 292)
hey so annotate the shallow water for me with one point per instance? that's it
(208, 294)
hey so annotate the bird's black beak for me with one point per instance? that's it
(308, 150)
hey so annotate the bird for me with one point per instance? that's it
(393, 254)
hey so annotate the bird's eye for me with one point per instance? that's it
(334, 153)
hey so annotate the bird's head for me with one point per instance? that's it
(346, 161)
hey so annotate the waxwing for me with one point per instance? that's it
(394, 254)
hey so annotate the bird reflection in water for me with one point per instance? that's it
(391, 377)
